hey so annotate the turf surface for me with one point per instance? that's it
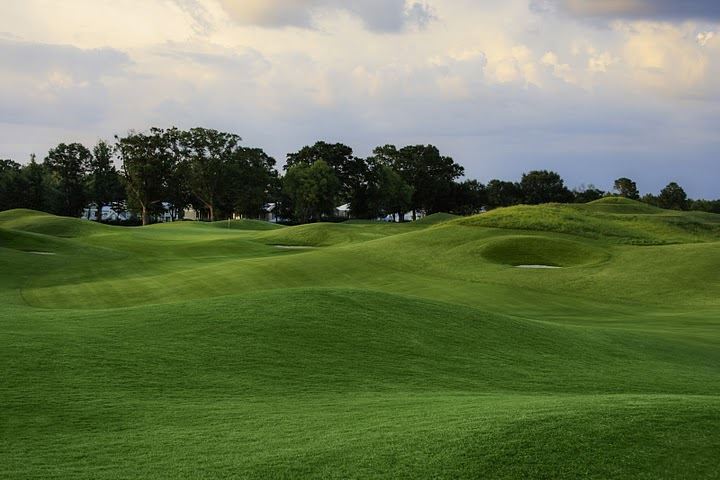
(373, 350)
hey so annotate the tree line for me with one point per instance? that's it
(211, 172)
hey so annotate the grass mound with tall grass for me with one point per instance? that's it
(416, 350)
(621, 205)
(624, 221)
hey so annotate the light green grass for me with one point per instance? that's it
(193, 350)
(614, 219)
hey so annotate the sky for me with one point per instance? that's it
(593, 89)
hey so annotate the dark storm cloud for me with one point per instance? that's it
(671, 10)
(383, 16)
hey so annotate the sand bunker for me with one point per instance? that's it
(536, 266)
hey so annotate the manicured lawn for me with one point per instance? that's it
(420, 350)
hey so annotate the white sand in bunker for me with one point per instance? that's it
(552, 267)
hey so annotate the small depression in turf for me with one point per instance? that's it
(539, 252)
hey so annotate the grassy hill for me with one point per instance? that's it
(419, 350)
(615, 219)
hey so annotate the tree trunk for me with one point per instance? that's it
(212, 213)
(98, 214)
(414, 215)
(145, 218)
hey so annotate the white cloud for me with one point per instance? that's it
(704, 37)
(561, 70)
(525, 87)
(600, 63)
(664, 56)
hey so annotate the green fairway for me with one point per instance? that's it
(363, 349)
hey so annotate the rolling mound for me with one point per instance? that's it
(320, 235)
(47, 224)
(311, 385)
(536, 250)
(349, 339)
(622, 205)
(399, 351)
(19, 213)
(30, 242)
(585, 221)
(435, 218)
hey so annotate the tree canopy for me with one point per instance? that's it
(673, 197)
(206, 155)
(68, 164)
(171, 170)
(542, 186)
(148, 162)
(626, 188)
(430, 174)
(313, 189)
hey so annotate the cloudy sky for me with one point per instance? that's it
(595, 89)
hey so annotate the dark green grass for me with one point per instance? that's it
(543, 251)
(386, 351)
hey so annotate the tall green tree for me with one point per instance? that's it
(353, 173)
(391, 193)
(501, 193)
(430, 174)
(673, 197)
(626, 188)
(12, 185)
(469, 198)
(337, 156)
(312, 189)
(359, 177)
(105, 186)
(252, 179)
(68, 164)
(208, 154)
(148, 160)
(543, 186)
(39, 191)
(177, 192)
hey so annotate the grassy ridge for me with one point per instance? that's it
(617, 220)
(420, 350)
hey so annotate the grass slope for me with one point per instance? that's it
(618, 220)
(193, 350)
